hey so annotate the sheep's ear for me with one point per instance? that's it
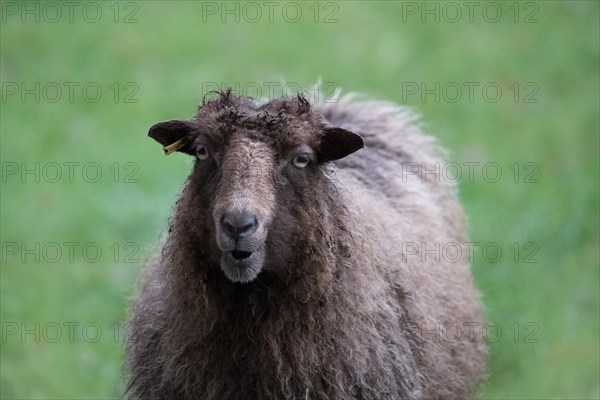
(337, 143)
(173, 135)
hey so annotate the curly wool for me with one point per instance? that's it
(350, 316)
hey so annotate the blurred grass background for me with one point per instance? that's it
(162, 54)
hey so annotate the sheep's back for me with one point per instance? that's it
(404, 206)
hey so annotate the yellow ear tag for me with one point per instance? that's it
(173, 147)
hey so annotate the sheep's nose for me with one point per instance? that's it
(239, 224)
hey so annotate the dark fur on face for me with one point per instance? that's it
(245, 172)
(272, 283)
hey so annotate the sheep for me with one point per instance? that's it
(283, 273)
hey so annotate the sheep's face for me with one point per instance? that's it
(257, 174)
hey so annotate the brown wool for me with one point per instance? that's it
(335, 307)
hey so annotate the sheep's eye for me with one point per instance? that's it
(202, 152)
(301, 160)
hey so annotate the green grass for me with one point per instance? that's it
(168, 55)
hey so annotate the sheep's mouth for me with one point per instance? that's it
(242, 265)
(240, 255)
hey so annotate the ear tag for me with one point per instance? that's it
(173, 147)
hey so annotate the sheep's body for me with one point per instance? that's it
(361, 319)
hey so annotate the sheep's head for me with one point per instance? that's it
(258, 170)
